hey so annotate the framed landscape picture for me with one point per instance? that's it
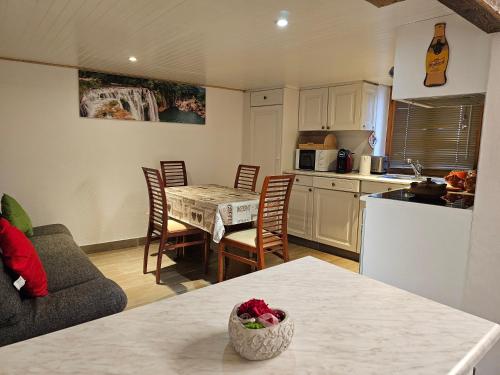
(111, 96)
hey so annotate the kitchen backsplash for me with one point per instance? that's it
(356, 141)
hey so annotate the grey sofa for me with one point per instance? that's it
(78, 291)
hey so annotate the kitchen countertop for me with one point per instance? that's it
(345, 323)
(353, 176)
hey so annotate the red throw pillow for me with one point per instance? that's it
(20, 257)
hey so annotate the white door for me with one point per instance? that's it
(335, 218)
(369, 107)
(344, 107)
(265, 140)
(300, 211)
(313, 109)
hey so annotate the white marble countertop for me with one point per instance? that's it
(353, 176)
(345, 323)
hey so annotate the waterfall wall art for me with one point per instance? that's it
(117, 97)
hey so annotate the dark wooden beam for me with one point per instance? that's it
(383, 3)
(482, 13)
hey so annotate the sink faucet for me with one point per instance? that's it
(416, 166)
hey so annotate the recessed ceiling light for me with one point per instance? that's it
(132, 59)
(282, 20)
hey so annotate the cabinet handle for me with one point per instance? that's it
(322, 127)
(355, 195)
(389, 189)
(310, 189)
(297, 180)
(328, 127)
(265, 97)
(333, 183)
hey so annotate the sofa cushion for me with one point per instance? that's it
(47, 230)
(16, 215)
(10, 303)
(19, 256)
(66, 264)
(65, 308)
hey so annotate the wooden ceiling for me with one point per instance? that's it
(229, 43)
(485, 14)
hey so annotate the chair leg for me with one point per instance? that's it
(286, 257)
(260, 259)
(146, 250)
(220, 271)
(178, 250)
(250, 255)
(158, 260)
(206, 253)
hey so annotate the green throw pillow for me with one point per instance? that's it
(15, 214)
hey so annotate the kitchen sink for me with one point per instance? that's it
(402, 177)
(407, 177)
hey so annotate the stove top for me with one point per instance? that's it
(453, 200)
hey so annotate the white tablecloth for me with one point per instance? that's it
(212, 207)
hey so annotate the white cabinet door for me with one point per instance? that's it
(344, 107)
(300, 211)
(265, 140)
(313, 109)
(369, 107)
(335, 218)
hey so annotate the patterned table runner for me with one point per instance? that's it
(211, 207)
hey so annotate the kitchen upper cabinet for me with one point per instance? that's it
(352, 107)
(313, 109)
(335, 218)
(300, 211)
(368, 106)
(344, 107)
(265, 140)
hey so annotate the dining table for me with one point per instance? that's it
(212, 207)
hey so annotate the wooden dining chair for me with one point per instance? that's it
(270, 236)
(174, 173)
(171, 233)
(246, 177)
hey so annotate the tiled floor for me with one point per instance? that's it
(124, 266)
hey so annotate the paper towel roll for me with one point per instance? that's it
(365, 165)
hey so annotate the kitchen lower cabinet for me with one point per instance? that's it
(300, 212)
(335, 218)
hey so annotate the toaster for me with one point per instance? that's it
(379, 164)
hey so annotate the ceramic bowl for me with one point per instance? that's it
(263, 343)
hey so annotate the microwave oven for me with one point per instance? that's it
(316, 160)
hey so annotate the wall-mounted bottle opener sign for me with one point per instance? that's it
(437, 57)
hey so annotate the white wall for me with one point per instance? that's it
(482, 296)
(86, 173)
(467, 67)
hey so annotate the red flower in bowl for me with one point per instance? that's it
(254, 308)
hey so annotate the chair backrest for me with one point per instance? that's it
(273, 210)
(174, 173)
(246, 177)
(157, 200)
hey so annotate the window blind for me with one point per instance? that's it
(442, 138)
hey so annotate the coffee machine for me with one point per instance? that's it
(344, 161)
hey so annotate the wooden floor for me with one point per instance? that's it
(124, 266)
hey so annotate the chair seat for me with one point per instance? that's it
(175, 226)
(248, 237)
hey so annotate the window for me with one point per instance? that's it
(442, 137)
